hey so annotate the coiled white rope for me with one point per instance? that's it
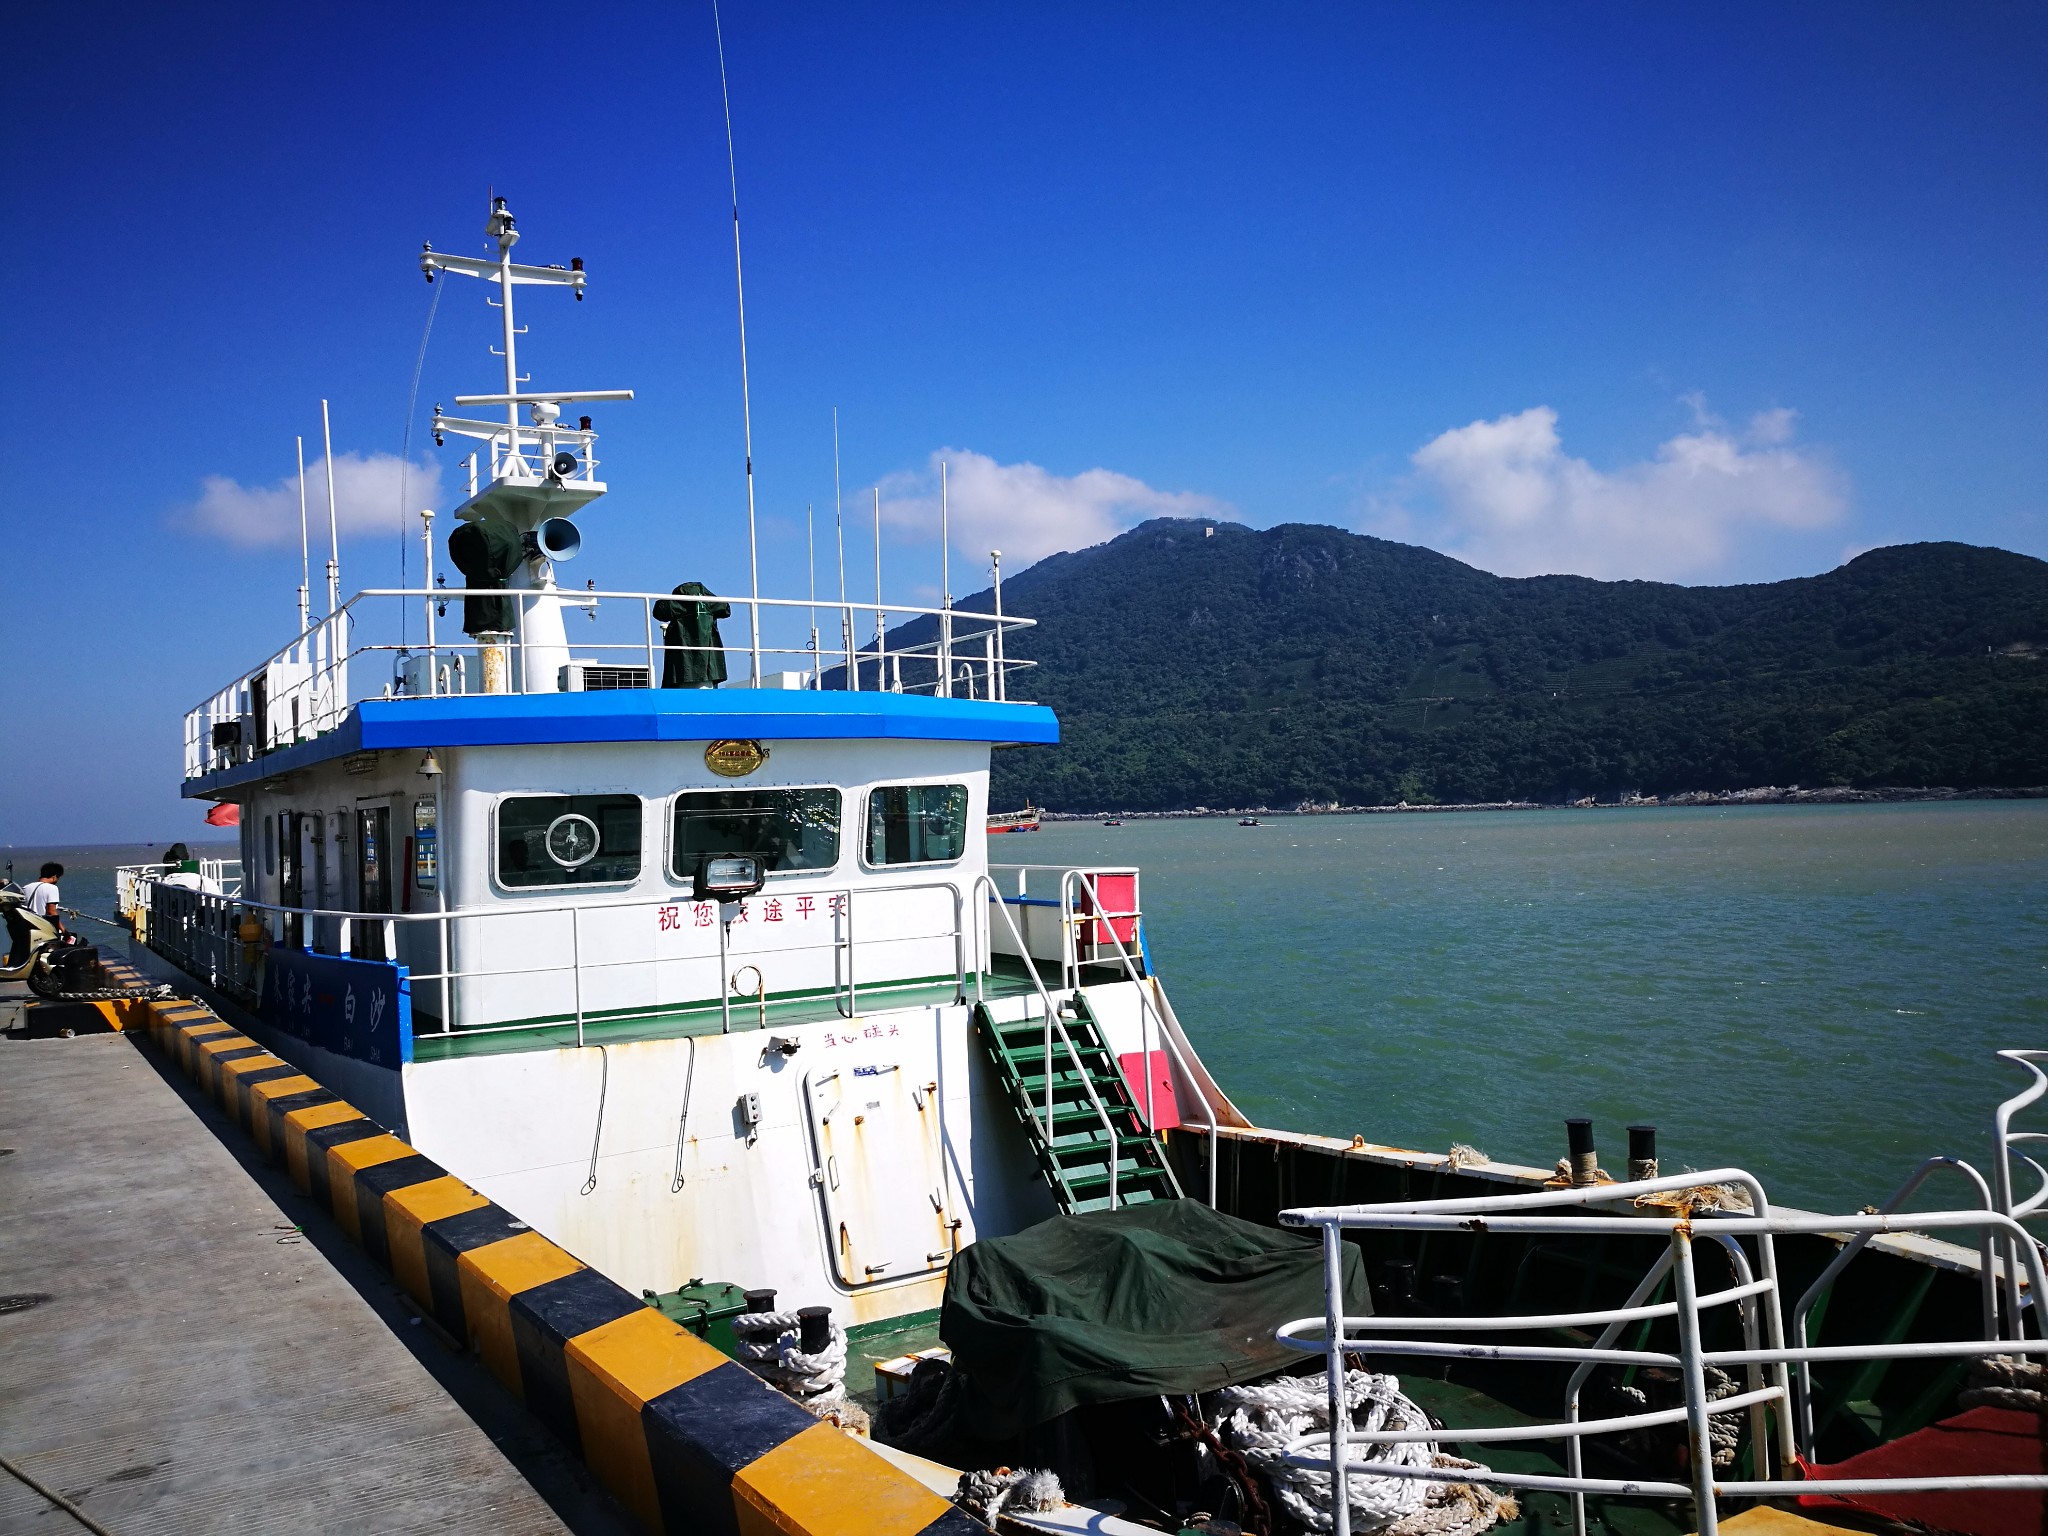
(1262, 1420)
(771, 1346)
(986, 1495)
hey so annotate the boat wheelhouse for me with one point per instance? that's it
(660, 967)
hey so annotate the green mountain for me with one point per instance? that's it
(1196, 663)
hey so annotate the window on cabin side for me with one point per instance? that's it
(917, 823)
(786, 829)
(568, 839)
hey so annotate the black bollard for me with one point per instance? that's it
(1642, 1152)
(814, 1325)
(1579, 1137)
(760, 1301)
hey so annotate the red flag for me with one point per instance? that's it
(226, 814)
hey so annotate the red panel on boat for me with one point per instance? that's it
(1981, 1442)
(1165, 1107)
(1119, 895)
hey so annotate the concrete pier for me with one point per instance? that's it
(177, 1355)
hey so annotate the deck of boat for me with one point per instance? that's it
(1006, 979)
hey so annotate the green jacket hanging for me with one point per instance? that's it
(694, 655)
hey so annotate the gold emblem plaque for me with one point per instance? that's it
(734, 759)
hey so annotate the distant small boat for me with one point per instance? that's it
(1025, 820)
(1112, 822)
(1249, 821)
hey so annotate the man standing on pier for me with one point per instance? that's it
(41, 895)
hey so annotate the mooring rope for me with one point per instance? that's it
(57, 1499)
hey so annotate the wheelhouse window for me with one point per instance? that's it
(786, 829)
(568, 839)
(917, 823)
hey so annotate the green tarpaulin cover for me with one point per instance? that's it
(1164, 1297)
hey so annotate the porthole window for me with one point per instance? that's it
(917, 823)
(786, 829)
(568, 840)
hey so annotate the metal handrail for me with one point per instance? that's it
(225, 908)
(1148, 1011)
(2001, 1166)
(323, 649)
(1841, 1261)
(1341, 1335)
(1046, 1126)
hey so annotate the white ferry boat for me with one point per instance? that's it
(706, 978)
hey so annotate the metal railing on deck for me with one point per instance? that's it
(2003, 1155)
(203, 931)
(1073, 916)
(307, 687)
(1680, 1217)
(225, 874)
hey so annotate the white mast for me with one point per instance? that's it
(811, 570)
(427, 581)
(506, 232)
(839, 529)
(999, 687)
(945, 586)
(746, 403)
(305, 554)
(333, 530)
(540, 473)
(881, 665)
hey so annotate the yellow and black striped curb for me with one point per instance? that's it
(687, 1439)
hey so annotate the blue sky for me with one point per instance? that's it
(1704, 293)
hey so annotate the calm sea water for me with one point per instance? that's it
(1811, 993)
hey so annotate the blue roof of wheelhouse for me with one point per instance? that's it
(649, 714)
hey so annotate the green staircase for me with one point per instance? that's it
(1076, 1161)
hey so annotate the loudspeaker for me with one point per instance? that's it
(558, 539)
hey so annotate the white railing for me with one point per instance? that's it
(1047, 1125)
(1076, 944)
(307, 688)
(205, 933)
(2004, 1137)
(1079, 905)
(526, 453)
(225, 874)
(1679, 1208)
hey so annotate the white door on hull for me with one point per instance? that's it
(881, 1174)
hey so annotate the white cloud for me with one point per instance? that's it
(1505, 496)
(1025, 511)
(373, 493)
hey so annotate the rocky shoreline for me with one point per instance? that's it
(1769, 794)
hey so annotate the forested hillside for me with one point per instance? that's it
(1267, 667)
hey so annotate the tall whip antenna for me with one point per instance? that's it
(333, 531)
(305, 556)
(746, 400)
(945, 584)
(882, 676)
(839, 528)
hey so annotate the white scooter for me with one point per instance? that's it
(57, 965)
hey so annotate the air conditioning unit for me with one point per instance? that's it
(443, 672)
(593, 677)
